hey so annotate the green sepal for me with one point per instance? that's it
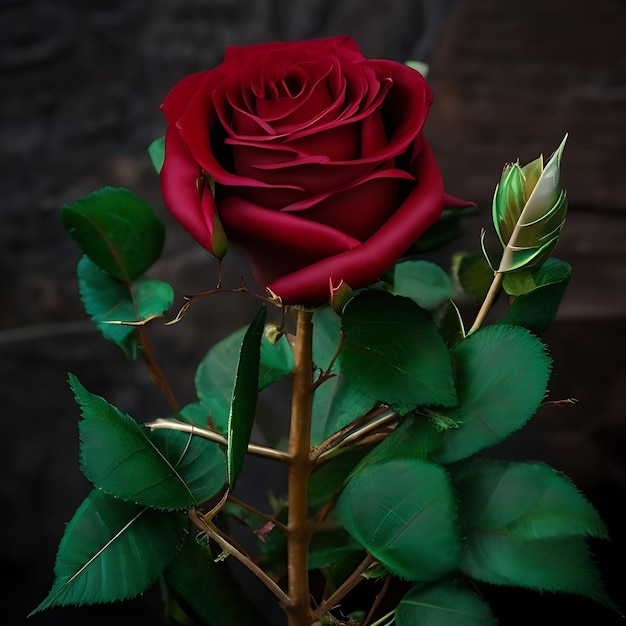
(109, 301)
(448, 603)
(206, 588)
(244, 396)
(392, 351)
(156, 151)
(537, 308)
(502, 375)
(117, 230)
(112, 550)
(403, 512)
(424, 282)
(161, 470)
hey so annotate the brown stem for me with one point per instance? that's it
(348, 585)
(156, 373)
(298, 525)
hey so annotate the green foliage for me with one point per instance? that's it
(422, 281)
(244, 396)
(160, 470)
(525, 524)
(112, 550)
(326, 337)
(392, 350)
(337, 403)
(447, 228)
(156, 150)
(206, 588)
(108, 300)
(536, 306)
(450, 325)
(445, 604)
(473, 273)
(403, 512)
(216, 373)
(117, 230)
(502, 375)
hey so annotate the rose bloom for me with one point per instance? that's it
(316, 158)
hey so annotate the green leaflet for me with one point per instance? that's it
(524, 525)
(424, 282)
(159, 470)
(216, 373)
(156, 150)
(336, 404)
(473, 273)
(117, 230)
(445, 604)
(404, 513)
(208, 588)
(107, 300)
(392, 351)
(326, 334)
(244, 397)
(502, 375)
(536, 308)
(112, 550)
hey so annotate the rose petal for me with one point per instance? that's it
(362, 266)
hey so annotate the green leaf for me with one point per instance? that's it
(536, 309)
(447, 228)
(523, 524)
(112, 550)
(207, 587)
(392, 351)
(525, 500)
(473, 273)
(424, 282)
(216, 373)
(450, 325)
(446, 604)
(117, 230)
(326, 337)
(120, 458)
(108, 300)
(502, 375)
(404, 513)
(156, 150)
(336, 404)
(244, 397)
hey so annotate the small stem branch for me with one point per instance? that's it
(490, 298)
(253, 448)
(156, 373)
(214, 533)
(298, 525)
(252, 509)
(379, 598)
(348, 585)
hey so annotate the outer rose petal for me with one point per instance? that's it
(362, 266)
(179, 187)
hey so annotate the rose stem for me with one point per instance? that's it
(490, 298)
(299, 527)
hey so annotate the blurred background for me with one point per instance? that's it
(80, 86)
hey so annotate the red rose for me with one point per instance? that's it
(321, 171)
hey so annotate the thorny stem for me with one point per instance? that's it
(156, 373)
(348, 585)
(248, 507)
(490, 298)
(299, 526)
(253, 448)
(213, 532)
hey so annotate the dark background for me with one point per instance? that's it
(80, 85)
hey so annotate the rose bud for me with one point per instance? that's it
(320, 167)
(529, 209)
